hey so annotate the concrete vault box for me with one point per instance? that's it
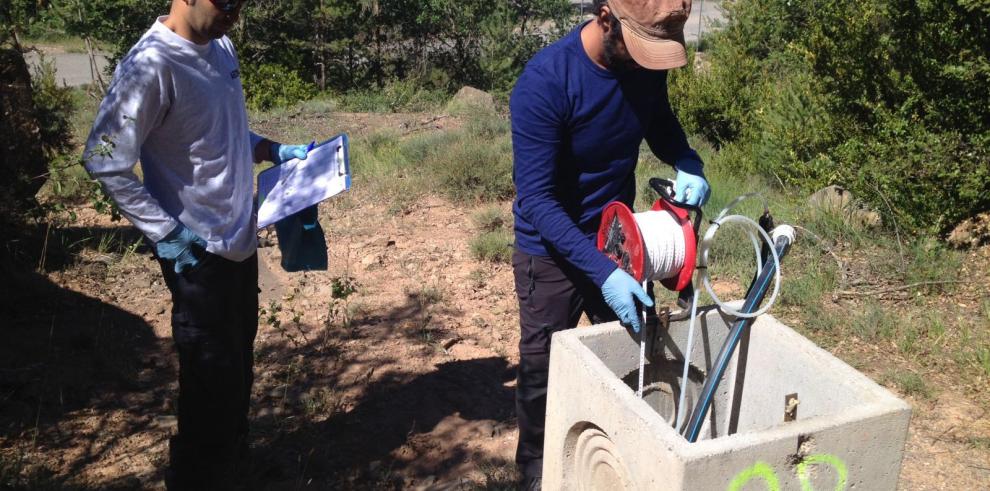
(847, 432)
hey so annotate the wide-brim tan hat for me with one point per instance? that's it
(653, 31)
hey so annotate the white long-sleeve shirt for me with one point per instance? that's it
(179, 108)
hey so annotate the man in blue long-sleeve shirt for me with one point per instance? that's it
(580, 111)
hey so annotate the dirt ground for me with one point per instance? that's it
(406, 383)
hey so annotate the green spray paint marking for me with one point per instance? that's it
(761, 470)
(822, 458)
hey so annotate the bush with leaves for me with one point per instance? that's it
(53, 106)
(267, 86)
(886, 98)
(346, 45)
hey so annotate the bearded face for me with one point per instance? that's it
(617, 57)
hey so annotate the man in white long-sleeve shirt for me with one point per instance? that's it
(176, 104)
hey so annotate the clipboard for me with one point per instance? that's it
(287, 189)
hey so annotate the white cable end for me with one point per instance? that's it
(783, 231)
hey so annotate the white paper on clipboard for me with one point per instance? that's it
(297, 184)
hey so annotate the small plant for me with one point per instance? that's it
(322, 403)
(910, 335)
(343, 287)
(338, 313)
(874, 322)
(495, 247)
(930, 261)
(490, 219)
(980, 442)
(982, 358)
(271, 315)
(817, 319)
(909, 383)
(429, 295)
(426, 335)
(478, 278)
(808, 285)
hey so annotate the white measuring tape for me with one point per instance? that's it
(663, 254)
(663, 257)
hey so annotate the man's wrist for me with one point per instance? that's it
(690, 166)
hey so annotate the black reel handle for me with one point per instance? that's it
(665, 188)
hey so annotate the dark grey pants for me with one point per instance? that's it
(214, 323)
(552, 296)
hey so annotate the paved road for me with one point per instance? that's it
(705, 14)
(70, 68)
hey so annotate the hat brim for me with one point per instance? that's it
(655, 54)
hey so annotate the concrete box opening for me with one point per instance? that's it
(784, 405)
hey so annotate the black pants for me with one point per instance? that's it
(552, 296)
(214, 322)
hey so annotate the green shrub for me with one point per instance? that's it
(473, 171)
(909, 383)
(402, 96)
(495, 247)
(54, 106)
(468, 165)
(887, 99)
(490, 219)
(268, 86)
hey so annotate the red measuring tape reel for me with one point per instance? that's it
(683, 279)
(620, 238)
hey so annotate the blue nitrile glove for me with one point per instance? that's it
(177, 247)
(691, 187)
(619, 289)
(284, 153)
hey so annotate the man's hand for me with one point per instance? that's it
(691, 187)
(177, 247)
(619, 289)
(284, 153)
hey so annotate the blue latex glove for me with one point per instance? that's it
(619, 289)
(177, 247)
(691, 187)
(284, 153)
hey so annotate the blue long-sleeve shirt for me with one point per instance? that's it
(576, 132)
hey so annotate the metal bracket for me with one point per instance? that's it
(660, 325)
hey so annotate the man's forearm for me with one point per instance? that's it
(136, 203)
(261, 148)
(263, 151)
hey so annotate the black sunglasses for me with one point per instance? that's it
(227, 6)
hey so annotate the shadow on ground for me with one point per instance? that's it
(63, 352)
(362, 444)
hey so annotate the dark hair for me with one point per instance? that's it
(596, 9)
